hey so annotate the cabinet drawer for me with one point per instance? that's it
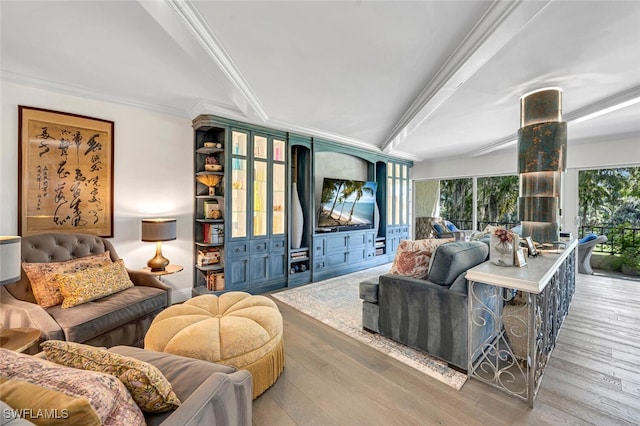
(238, 249)
(259, 247)
(371, 239)
(277, 244)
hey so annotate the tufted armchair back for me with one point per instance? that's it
(56, 247)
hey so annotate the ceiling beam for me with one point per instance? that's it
(623, 99)
(497, 27)
(183, 22)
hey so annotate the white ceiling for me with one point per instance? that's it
(421, 79)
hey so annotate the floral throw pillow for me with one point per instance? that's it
(91, 284)
(413, 257)
(42, 276)
(148, 386)
(107, 395)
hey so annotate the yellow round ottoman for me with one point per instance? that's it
(235, 329)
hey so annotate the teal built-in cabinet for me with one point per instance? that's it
(254, 229)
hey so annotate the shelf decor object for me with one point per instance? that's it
(211, 181)
(542, 151)
(297, 217)
(502, 246)
(156, 231)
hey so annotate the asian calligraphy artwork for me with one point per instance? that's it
(65, 173)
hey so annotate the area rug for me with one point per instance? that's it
(336, 303)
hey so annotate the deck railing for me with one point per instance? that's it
(617, 237)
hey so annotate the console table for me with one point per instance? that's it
(535, 300)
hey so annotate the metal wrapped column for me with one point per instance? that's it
(542, 150)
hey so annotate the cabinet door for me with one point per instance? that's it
(239, 188)
(319, 247)
(259, 268)
(337, 242)
(278, 224)
(337, 259)
(357, 255)
(357, 239)
(260, 182)
(277, 265)
(237, 273)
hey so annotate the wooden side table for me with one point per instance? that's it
(18, 339)
(170, 269)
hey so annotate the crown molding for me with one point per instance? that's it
(497, 27)
(197, 26)
(84, 92)
(206, 106)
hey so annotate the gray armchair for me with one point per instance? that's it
(585, 249)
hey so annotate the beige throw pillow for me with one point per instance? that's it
(91, 284)
(46, 289)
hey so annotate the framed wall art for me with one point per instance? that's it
(65, 176)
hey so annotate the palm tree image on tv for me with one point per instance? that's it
(346, 202)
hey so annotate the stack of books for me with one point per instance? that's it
(215, 281)
(299, 254)
(213, 233)
(209, 256)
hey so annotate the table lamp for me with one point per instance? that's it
(10, 260)
(156, 231)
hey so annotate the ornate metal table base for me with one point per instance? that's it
(524, 333)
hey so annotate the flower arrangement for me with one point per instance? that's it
(504, 235)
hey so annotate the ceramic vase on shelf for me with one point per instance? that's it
(297, 219)
(501, 253)
(376, 218)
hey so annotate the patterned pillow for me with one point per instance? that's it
(45, 288)
(91, 284)
(147, 385)
(413, 257)
(107, 395)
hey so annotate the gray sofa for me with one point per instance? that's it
(211, 394)
(122, 318)
(430, 315)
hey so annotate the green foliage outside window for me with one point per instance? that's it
(497, 200)
(609, 196)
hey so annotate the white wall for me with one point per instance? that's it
(614, 152)
(153, 174)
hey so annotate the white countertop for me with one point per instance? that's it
(532, 277)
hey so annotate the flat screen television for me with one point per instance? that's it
(347, 204)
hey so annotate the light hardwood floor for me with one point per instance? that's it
(593, 376)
